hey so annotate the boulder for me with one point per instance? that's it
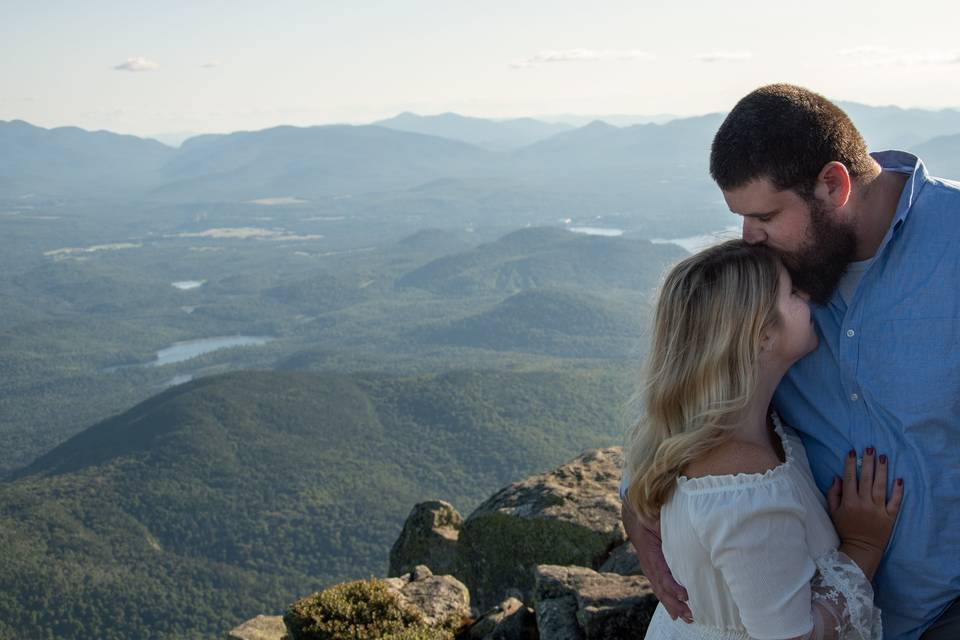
(568, 516)
(442, 600)
(557, 619)
(429, 537)
(259, 628)
(509, 620)
(577, 603)
(622, 560)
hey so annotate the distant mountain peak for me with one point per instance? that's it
(600, 124)
(490, 134)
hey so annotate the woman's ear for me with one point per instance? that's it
(767, 339)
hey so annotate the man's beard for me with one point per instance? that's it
(823, 257)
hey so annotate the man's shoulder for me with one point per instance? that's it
(950, 187)
(938, 200)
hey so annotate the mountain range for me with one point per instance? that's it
(407, 151)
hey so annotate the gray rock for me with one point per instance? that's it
(509, 620)
(569, 516)
(605, 606)
(622, 560)
(420, 572)
(429, 537)
(439, 598)
(557, 619)
(260, 628)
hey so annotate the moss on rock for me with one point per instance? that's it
(498, 551)
(567, 516)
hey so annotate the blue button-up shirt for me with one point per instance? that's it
(887, 374)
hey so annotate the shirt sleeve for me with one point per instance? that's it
(756, 538)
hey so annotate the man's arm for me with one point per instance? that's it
(645, 536)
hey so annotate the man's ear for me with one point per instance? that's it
(834, 184)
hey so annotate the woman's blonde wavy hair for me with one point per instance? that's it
(703, 365)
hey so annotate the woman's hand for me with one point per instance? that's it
(860, 511)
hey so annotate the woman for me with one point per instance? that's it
(743, 525)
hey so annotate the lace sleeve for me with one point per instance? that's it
(842, 597)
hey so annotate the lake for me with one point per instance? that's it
(702, 241)
(187, 349)
(180, 351)
(178, 379)
(185, 285)
(597, 231)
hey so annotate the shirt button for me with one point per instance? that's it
(851, 333)
(854, 397)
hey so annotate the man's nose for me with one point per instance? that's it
(752, 232)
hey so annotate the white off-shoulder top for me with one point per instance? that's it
(753, 551)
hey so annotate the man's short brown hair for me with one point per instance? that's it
(785, 133)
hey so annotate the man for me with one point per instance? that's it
(875, 242)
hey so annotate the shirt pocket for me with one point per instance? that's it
(912, 366)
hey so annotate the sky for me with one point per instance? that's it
(212, 66)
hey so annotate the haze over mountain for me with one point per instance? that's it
(616, 165)
(943, 153)
(496, 135)
(616, 119)
(311, 162)
(69, 160)
(898, 128)
(173, 138)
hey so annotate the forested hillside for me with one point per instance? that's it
(234, 494)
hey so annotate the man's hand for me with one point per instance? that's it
(645, 536)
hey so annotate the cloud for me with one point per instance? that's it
(213, 64)
(579, 55)
(865, 50)
(871, 56)
(137, 64)
(724, 56)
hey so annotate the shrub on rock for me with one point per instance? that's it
(415, 606)
(358, 611)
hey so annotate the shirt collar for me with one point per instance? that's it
(902, 162)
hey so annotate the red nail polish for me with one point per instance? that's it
(852, 454)
(869, 451)
(900, 481)
(883, 459)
